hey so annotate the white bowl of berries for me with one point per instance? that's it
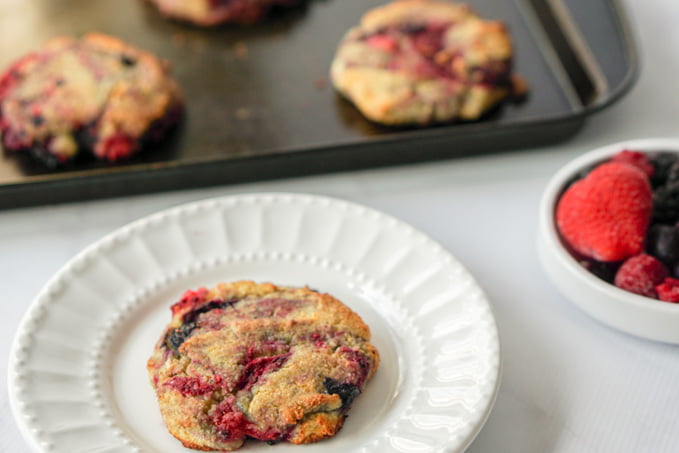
(609, 236)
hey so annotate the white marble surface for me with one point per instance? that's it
(569, 383)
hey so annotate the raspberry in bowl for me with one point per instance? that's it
(609, 236)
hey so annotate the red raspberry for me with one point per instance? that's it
(640, 275)
(190, 300)
(636, 158)
(116, 147)
(190, 385)
(605, 215)
(383, 42)
(228, 418)
(668, 290)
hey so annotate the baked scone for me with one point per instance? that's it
(423, 62)
(96, 93)
(248, 360)
(210, 12)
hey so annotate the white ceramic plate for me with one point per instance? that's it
(78, 381)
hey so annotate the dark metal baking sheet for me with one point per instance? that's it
(259, 104)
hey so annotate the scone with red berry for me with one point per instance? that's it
(424, 62)
(96, 94)
(214, 12)
(247, 360)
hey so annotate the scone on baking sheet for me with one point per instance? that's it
(96, 93)
(248, 360)
(423, 62)
(215, 12)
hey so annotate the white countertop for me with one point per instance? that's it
(569, 384)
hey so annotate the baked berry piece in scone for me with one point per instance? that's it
(97, 94)
(247, 360)
(423, 62)
(215, 12)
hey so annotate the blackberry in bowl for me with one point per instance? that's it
(609, 236)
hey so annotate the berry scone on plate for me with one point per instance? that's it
(96, 93)
(421, 62)
(215, 12)
(256, 360)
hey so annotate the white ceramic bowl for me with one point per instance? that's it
(628, 312)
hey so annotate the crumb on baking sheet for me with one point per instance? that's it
(321, 83)
(240, 49)
(179, 39)
(243, 113)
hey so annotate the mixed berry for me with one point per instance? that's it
(620, 220)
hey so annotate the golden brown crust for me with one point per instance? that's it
(409, 11)
(317, 427)
(195, 11)
(247, 359)
(468, 75)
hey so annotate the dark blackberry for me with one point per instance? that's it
(128, 61)
(605, 271)
(42, 154)
(37, 120)
(192, 315)
(86, 135)
(663, 243)
(673, 173)
(177, 336)
(662, 162)
(666, 204)
(411, 28)
(347, 392)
